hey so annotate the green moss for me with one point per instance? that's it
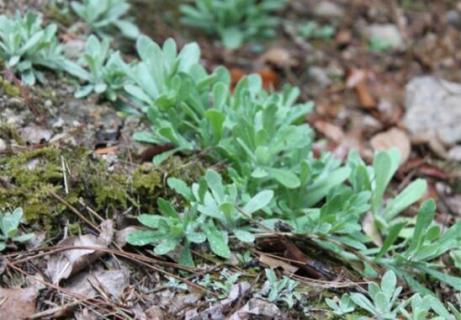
(27, 179)
(9, 89)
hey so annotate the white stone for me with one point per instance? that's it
(433, 108)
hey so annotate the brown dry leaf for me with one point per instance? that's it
(277, 263)
(358, 80)
(269, 77)
(63, 265)
(369, 228)
(218, 310)
(17, 304)
(332, 132)
(111, 283)
(154, 313)
(279, 57)
(257, 308)
(106, 150)
(393, 138)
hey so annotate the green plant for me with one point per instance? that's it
(283, 290)
(425, 307)
(312, 30)
(223, 287)
(224, 210)
(105, 74)
(267, 146)
(170, 230)
(25, 46)
(233, 21)
(383, 298)
(9, 223)
(341, 306)
(103, 15)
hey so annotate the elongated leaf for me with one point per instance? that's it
(285, 177)
(424, 219)
(406, 198)
(259, 201)
(218, 241)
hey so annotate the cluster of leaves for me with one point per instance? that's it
(100, 68)
(102, 16)
(265, 142)
(216, 210)
(9, 224)
(382, 303)
(25, 46)
(233, 21)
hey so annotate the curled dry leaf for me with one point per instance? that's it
(369, 228)
(112, 283)
(16, 304)
(279, 57)
(332, 132)
(257, 308)
(358, 80)
(218, 310)
(64, 264)
(277, 263)
(393, 138)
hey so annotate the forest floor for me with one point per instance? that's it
(73, 167)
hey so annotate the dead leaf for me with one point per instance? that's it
(369, 228)
(85, 314)
(358, 79)
(393, 138)
(112, 283)
(257, 308)
(277, 263)
(218, 310)
(106, 150)
(154, 313)
(269, 78)
(366, 99)
(17, 304)
(279, 57)
(64, 264)
(330, 131)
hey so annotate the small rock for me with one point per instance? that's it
(327, 9)
(454, 18)
(388, 34)
(433, 108)
(35, 135)
(455, 153)
(2, 145)
(319, 76)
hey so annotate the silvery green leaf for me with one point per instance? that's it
(244, 235)
(285, 177)
(388, 284)
(23, 237)
(2, 245)
(129, 29)
(180, 187)
(84, 91)
(165, 246)
(10, 222)
(150, 220)
(218, 241)
(142, 238)
(414, 192)
(259, 201)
